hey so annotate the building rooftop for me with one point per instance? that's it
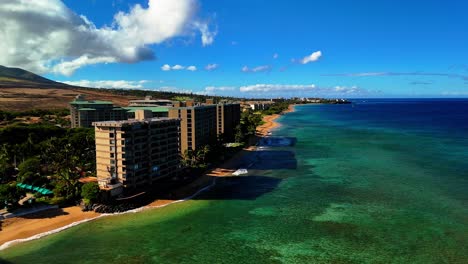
(150, 100)
(87, 109)
(130, 122)
(155, 109)
(195, 106)
(96, 102)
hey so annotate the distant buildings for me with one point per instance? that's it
(84, 113)
(227, 119)
(198, 125)
(260, 105)
(136, 153)
(149, 102)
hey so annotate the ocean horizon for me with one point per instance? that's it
(375, 181)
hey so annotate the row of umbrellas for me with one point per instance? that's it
(40, 190)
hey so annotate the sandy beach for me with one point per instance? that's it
(270, 122)
(49, 220)
(46, 221)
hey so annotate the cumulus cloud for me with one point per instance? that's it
(306, 90)
(219, 88)
(177, 67)
(211, 67)
(46, 36)
(191, 68)
(346, 90)
(263, 68)
(122, 84)
(174, 89)
(315, 56)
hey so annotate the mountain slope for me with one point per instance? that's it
(19, 78)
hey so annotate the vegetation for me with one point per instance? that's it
(90, 192)
(52, 117)
(47, 156)
(177, 96)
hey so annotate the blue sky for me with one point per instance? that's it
(259, 48)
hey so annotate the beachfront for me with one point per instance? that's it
(37, 225)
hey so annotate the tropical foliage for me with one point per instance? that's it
(47, 156)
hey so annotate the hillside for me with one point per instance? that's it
(21, 90)
(16, 77)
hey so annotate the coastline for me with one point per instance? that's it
(270, 122)
(35, 226)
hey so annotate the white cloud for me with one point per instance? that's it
(173, 89)
(276, 88)
(306, 90)
(122, 84)
(315, 56)
(219, 88)
(207, 36)
(191, 68)
(346, 90)
(46, 36)
(211, 67)
(275, 56)
(262, 68)
(166, 67)
(177, 67)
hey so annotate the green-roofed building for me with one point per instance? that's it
(84, 112)
(157, 111)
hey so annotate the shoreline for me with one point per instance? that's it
(270, 122)
(31, 227)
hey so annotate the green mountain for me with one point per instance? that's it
(18, 78)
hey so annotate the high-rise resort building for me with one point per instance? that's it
(227, 119)
(136, 153)
(197, 126)
(84, 112)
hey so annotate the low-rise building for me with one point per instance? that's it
(136, 153)
(260, 105)
(149, 102)
(85, 112)
(156, 111)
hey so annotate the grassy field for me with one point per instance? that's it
(23, 99)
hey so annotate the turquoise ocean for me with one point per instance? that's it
(377, 181)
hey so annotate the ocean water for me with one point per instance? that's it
(379, 181)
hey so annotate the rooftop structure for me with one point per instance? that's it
(157, 111)
(85, 112)
(149, 102)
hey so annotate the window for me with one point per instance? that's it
(112, 142)
(111, 135)
(112, 162)
(112, 155)
(112, 148)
